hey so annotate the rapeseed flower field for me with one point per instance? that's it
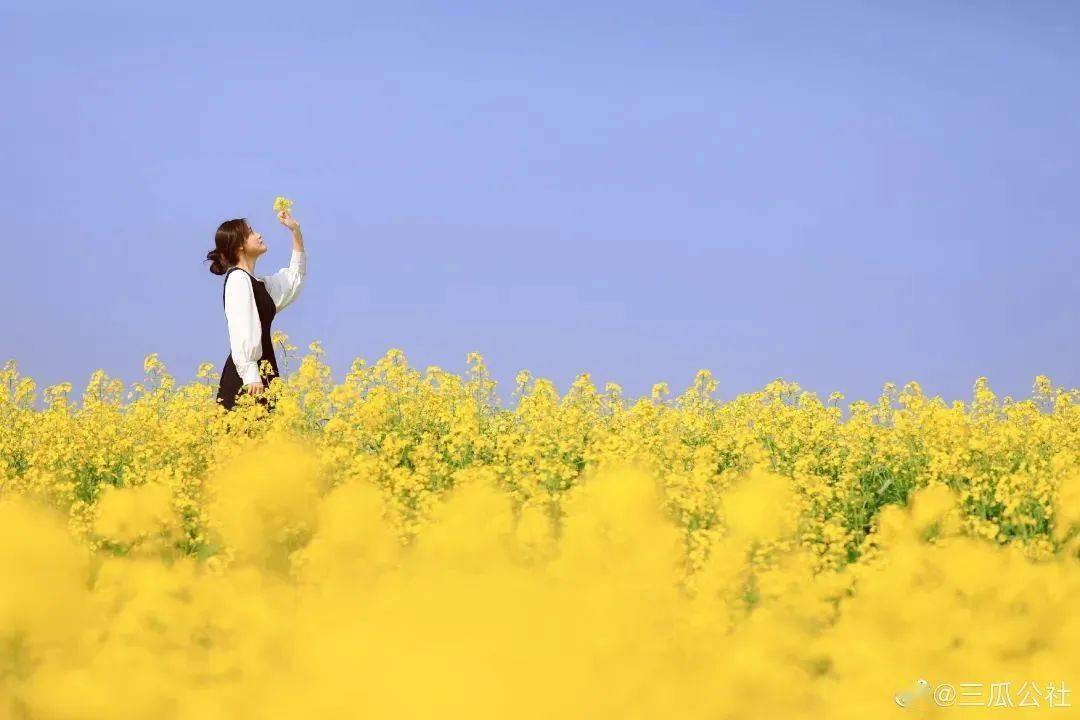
(402, 545)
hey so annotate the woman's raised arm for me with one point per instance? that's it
(284, 285)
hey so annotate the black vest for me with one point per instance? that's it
(231, 382)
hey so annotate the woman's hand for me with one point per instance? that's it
(256, 388)
(288, 220)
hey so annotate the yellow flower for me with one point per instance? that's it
(391, 543)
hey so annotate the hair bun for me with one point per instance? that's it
(216, 265)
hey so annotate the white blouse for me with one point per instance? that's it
(242, 316)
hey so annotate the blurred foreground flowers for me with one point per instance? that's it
(401, 545)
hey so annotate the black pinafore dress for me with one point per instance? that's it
(231, 382)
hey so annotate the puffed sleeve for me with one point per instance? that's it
(284, 285)
(245, 331)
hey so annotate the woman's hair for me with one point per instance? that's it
(227, 243)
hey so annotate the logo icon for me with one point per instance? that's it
(907, 698)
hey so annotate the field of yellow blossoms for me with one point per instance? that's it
(403, 545)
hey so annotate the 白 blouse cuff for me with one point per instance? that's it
(251, 376)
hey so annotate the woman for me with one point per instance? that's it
(251, 303)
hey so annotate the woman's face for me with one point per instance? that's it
(253, 245)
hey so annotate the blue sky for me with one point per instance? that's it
(840, 194)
